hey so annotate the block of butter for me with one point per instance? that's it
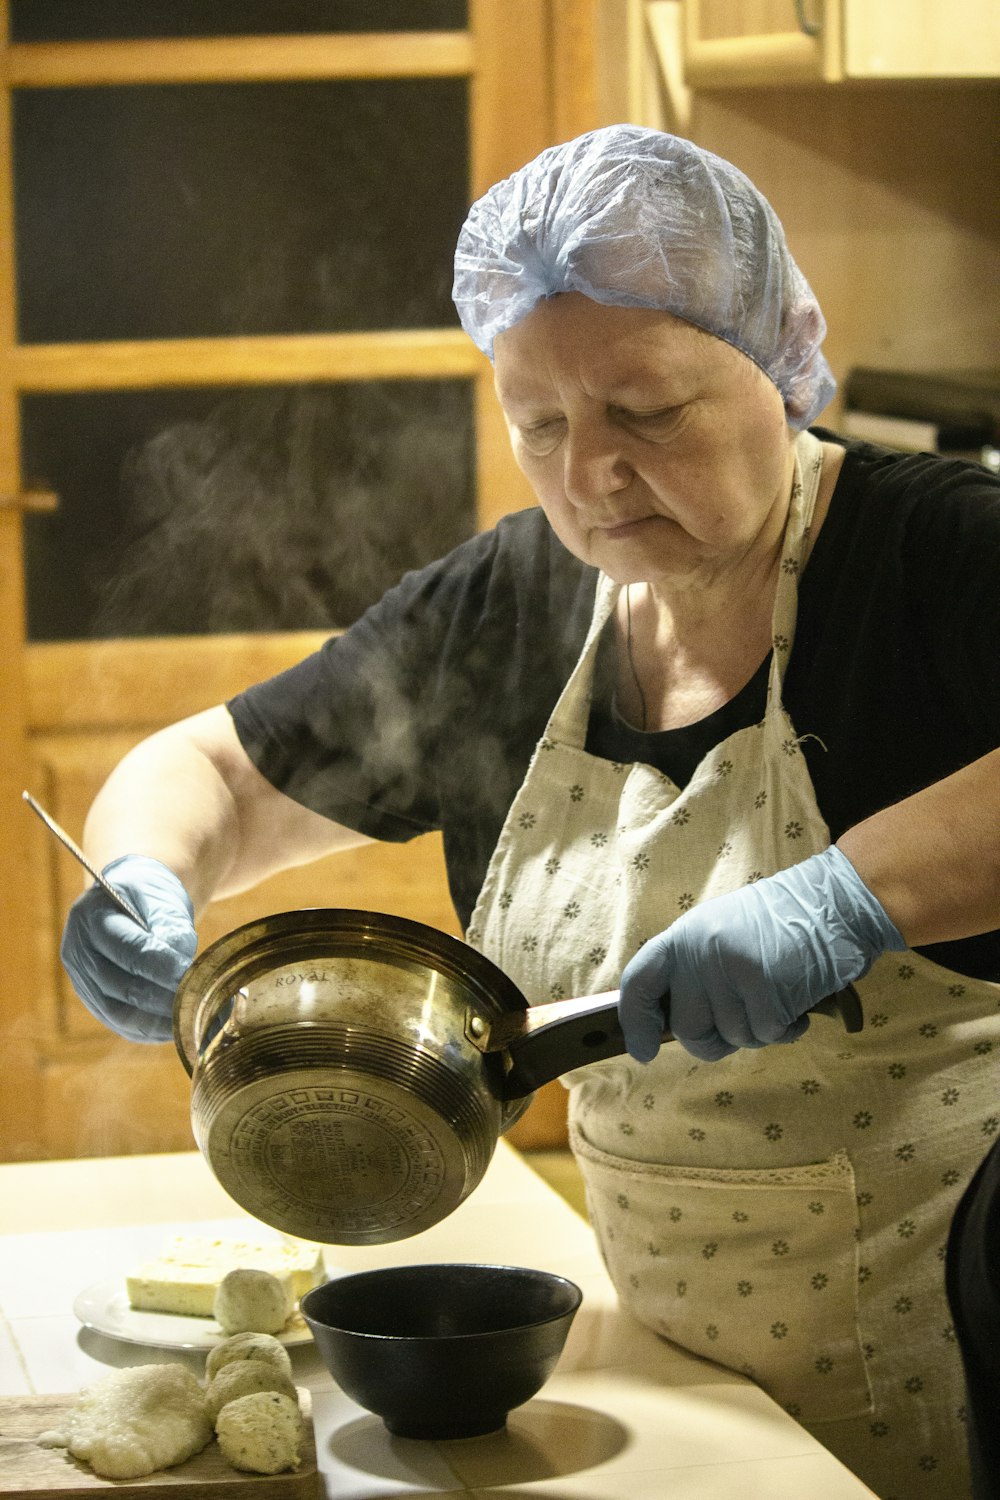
(185, 1277)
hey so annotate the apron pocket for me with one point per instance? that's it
(755, 1270)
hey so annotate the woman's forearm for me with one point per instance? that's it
(933, 860)
(190, 797)
(167, 799)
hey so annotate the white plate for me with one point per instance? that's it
(105, 1308)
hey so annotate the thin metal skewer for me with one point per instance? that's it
(78, 853)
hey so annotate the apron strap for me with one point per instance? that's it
(569, 719)
(802, 507)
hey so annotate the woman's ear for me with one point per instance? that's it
(802, 353)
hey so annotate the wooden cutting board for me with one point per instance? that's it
(30, 1471)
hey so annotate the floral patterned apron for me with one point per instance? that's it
(783, 1212)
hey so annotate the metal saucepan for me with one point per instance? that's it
(351, 1071)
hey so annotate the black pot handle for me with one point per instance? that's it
(548, 1040)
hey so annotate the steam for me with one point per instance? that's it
(289, 509)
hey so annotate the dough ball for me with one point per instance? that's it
(261, 1433)
(52, 1438)
(139, 1420)
(243, 1378)
(257, 1346)
(249, 1301)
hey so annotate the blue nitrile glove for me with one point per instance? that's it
(742, 969)
(124, 976)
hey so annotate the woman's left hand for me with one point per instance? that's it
(742, 970)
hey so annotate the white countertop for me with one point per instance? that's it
(626, 1416)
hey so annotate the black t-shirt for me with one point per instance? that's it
(425, 713)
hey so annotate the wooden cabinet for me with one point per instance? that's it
(779, 41)
(921, 39)
(751, 42)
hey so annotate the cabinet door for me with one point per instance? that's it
(190, 324)
(748, 42)
(924, 39)
(745, 42)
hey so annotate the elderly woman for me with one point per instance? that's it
(722, 713)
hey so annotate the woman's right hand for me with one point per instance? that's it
(744, 969)
(126, 977)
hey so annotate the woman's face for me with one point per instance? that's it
(658, 453)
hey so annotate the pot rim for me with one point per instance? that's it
(242, 955)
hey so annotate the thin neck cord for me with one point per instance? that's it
(631, 658)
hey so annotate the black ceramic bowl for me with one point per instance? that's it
(442, 1351)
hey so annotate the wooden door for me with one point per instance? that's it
(75, 698)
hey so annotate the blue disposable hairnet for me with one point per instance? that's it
(636, 218)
